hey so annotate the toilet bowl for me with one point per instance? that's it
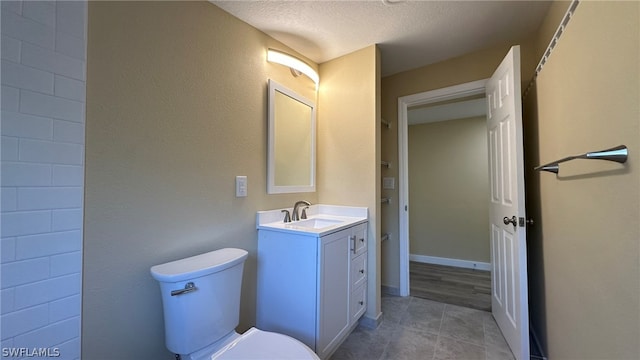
(258, 344)
(201, 304)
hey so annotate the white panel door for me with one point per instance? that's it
(509, 300)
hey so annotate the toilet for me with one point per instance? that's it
(201, 301)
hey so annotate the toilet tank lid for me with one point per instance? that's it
(199, 265)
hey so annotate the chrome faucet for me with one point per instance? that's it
(287, 216)
(294, 215)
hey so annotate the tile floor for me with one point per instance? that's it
(415, 328)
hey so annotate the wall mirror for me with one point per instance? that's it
(291, 164)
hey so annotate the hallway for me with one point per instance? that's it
(415, 328)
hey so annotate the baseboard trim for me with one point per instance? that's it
(390, 290)
(371, 323)
(450, 262)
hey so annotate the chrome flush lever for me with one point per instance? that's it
(188, 287)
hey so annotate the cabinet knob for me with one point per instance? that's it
(361, 302)
(361, 271)
(362, 240)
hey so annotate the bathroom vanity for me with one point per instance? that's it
(312, 275)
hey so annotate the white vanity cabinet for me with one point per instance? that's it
(358, 272)
(312, 286)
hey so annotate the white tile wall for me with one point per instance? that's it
(43, 73)
(52, 106)
(10, 96)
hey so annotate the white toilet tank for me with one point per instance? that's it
(201, 298)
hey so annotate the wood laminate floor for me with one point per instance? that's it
(451, 285)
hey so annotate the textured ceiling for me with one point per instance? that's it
(410, 34)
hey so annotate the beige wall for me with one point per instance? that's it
(471, 67)
(349, 136)
(449, 188)
(176, 108)
(584, 251)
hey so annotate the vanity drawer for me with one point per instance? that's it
(358, 270)
(358, 240)
(358, 303)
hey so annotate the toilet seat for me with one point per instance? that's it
(258, 344)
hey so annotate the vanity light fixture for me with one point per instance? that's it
(294, 63)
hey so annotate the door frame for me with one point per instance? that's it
(404, 103)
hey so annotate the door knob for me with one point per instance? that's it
(513, 221)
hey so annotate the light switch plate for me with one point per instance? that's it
(241, 186)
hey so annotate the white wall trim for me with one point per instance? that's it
(390, 290)
(371, 322)
(552, 44)
(447, 93)
(467, 264)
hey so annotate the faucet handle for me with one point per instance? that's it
(304, 213)
(287, 216)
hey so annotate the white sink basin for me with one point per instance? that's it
(317, 223)
(323, 220)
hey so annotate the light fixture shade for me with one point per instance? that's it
(294, 63)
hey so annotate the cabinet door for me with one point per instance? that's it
(333, 299)
(287, 288)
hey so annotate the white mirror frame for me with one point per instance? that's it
(272, 188)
